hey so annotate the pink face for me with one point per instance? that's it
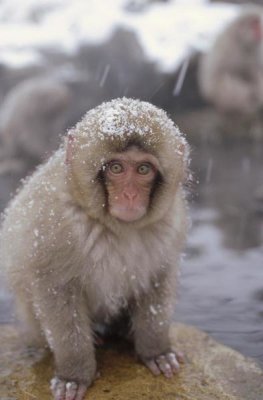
(256, 27)
(251, 30)
(130, 178)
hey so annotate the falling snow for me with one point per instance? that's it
(153, 310)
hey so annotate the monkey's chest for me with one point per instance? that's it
(118, 271)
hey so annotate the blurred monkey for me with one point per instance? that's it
(231, 73)
(31, 119)
(99, 231)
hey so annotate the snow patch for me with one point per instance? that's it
(168, 32)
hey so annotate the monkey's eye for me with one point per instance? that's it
(144, 168)
(116, 167)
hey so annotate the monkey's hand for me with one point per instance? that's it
(166, 364)
(63, 390)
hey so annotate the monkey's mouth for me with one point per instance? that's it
(128, 214)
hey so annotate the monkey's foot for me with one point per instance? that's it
(63, 390)
(166, 364)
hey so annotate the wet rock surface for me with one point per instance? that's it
(211, 371)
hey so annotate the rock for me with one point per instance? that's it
(211, 371)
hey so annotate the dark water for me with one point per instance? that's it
(222, 274)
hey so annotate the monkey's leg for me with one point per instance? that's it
(32, 334)
(64, 319)
(151, 321)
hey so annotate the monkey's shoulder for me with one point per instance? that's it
(40, 187)
(36, 205)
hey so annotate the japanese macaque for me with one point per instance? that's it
(231, 73)
(98, 232)
(32, 117)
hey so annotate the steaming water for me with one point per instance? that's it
(222, 273)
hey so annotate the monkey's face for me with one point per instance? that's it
(250, 30)
(129, 178)
(125, 162)
(256, 28)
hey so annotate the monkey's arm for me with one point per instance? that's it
(151, 320)
(232, 93)
(64, 318)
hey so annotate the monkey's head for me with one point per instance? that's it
(126, 160)
(248, 27)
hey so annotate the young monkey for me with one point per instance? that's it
(99, 231)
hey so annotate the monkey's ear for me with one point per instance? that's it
(69, 148)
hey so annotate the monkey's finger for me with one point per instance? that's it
(71, 390)
(58, 388)
(180, 356)
(151, 364)
(164, 366)
(172, 359)
(81, 392)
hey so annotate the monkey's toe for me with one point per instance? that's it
(63, 390)
(166, 364)
(152, 366)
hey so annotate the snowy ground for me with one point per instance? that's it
(166, 31)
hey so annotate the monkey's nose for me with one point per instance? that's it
(129, 195)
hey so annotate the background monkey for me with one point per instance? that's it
(32, 117)
(98, 230)
(231, 73)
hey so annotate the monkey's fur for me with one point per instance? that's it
(72, 265)
(230, 74)
(32, 117)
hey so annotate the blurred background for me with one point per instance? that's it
(201, 61)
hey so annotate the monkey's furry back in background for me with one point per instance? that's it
(72, 264)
